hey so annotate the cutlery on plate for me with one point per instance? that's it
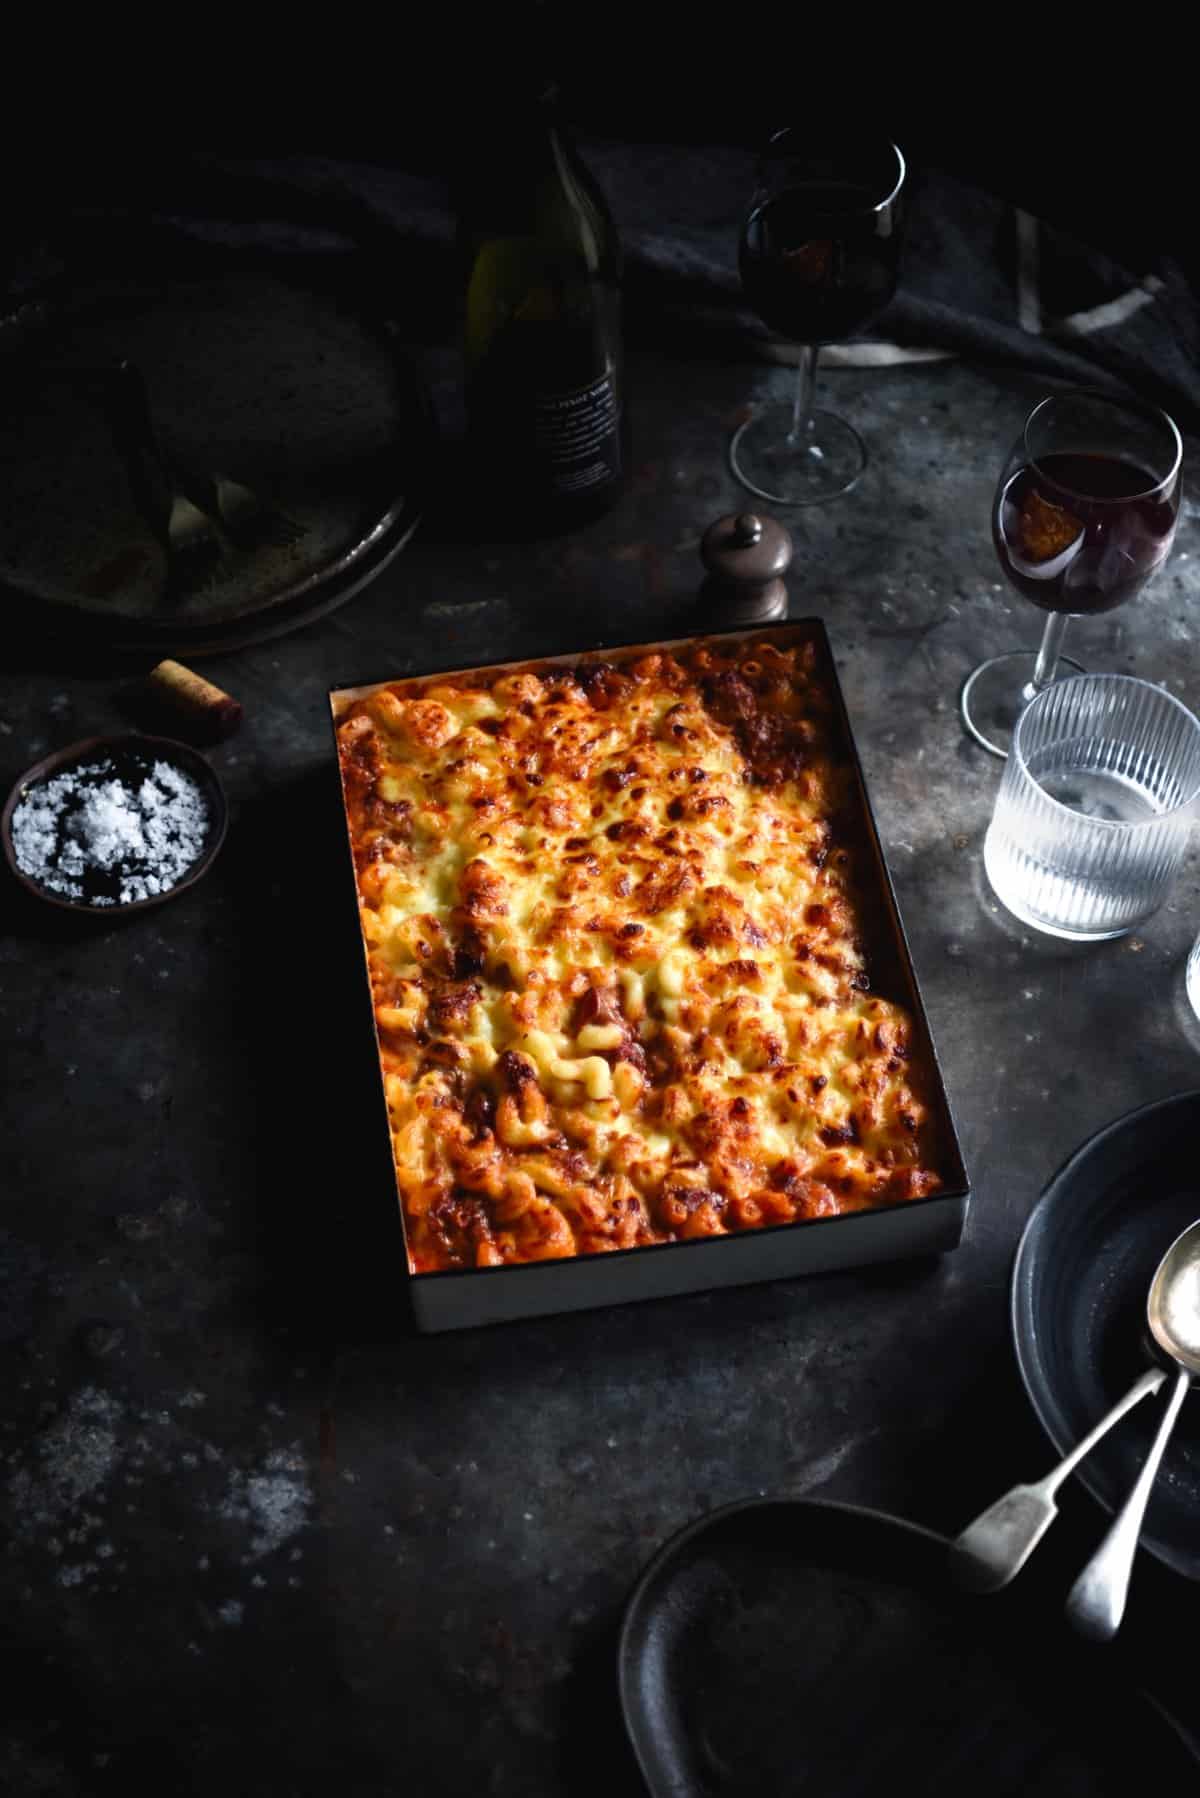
(1096, 1602)
(250, 519)
(181, 510)
(993, 1549)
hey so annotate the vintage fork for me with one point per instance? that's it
(182, 512)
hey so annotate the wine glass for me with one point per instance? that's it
(818, 259)
(1084, 515)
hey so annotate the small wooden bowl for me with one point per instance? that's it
(166, 749)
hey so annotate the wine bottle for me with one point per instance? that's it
(544, 377)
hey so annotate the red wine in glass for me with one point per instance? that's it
(1083, 517)
(818, 256)
(1081, 533)
(818, 261)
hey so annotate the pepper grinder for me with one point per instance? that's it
(747, 555)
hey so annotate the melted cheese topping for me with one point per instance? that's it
(616, 958)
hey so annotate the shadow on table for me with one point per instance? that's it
(597, 1760)
(327, 1230)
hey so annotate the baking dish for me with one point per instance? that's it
(461, 1296)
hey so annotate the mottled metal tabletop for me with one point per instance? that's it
(265, 1540)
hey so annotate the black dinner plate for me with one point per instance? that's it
(798, 1649)
(1082, 1273)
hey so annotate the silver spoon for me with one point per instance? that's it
(1096, 1602)
(993, 1549)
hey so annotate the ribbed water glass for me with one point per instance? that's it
(1095, 806)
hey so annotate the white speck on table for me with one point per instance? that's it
(73, 1458)
(276, 1501)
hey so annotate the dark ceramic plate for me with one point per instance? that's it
(298, 391)
(808, 1650)
(131, 753)
(1079, 1289)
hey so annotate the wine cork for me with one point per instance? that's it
(207, 713)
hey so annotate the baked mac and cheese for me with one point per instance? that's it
(616, 956)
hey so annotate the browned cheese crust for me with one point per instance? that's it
(616, 958)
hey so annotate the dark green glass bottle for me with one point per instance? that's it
(545, 396)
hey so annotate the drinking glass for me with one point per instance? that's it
(1192, 977)
(1084, 515)
(818, 258)
(1095, 806)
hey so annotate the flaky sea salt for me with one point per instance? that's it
(109, 834)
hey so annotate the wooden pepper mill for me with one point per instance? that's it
(747, 555)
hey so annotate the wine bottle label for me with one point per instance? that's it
(577, 437)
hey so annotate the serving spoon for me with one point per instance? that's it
(1096, 1602)
(992, 1549)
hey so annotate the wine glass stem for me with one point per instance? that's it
(1046, 666)
(806, 390)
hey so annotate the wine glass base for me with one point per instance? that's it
(825, 460)
(992, 699)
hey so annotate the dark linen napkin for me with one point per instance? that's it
(979, 279)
